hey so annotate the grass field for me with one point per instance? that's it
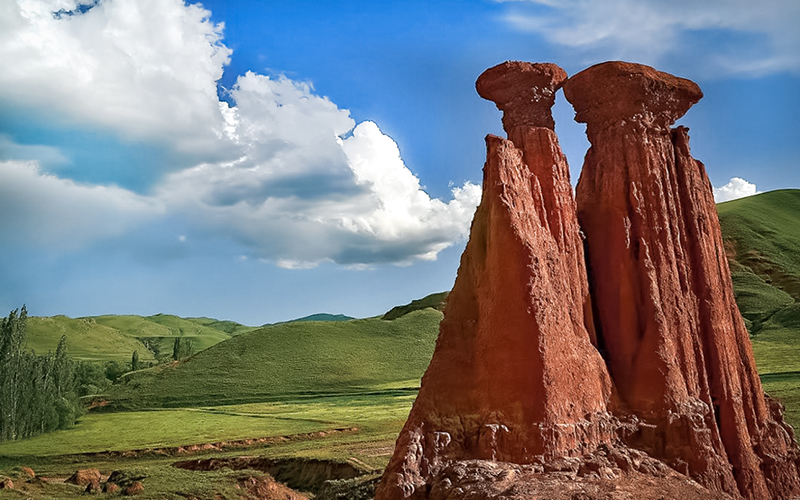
(98, 432)
(378, 418)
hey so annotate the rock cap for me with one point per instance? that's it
(610, 92)
(523, 91)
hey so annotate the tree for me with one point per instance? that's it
(135, 361)
(12, 342)
(182, 348)
(37, 393)
(153, 346)
(90, 378)
(114, 371)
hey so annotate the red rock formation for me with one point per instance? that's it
(676, 346)
(514, 376)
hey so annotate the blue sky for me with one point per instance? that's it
(260, 161)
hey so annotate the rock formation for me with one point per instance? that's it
(539, 388)
(514, 376)
(676, 345)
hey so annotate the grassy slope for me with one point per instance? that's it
(86, 339)
(112, 337)
(165, 328)
(762, 236)
(229, 327)
(434, 300)
(291, 359)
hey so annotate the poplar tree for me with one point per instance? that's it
(12, 341)
(37, 393)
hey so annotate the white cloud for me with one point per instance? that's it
(38, 209)
(314, 187)
(144, 68)
(748, 37)
(301, 183)
(734, 189)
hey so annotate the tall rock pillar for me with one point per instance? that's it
(676, 346)
(515, 376)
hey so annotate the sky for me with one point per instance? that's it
(262, 161)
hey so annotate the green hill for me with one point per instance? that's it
(762, 241)
(86, 339)
(291, 359)
(230, 327)
(434, 301)
(163, 328)
(111, 337)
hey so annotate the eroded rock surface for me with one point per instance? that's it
(676, 345)
(645, 388)
(514, 376)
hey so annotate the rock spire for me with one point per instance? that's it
(676, 345)
(514, 376)
(559, 377)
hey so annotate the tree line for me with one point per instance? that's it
(37, 392)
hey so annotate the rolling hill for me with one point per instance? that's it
(114, 338)
(762, 237)
(163, 328)
(762, 240)
(291, 360)
(87, 340)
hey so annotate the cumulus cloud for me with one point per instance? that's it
(312, 186)
(38, 209)
(146, 69)
(734, 189)
(743, 37)
(299, 183)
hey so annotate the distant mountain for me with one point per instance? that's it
(324, 317)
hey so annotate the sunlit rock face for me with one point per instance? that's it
(676, 346)
(515, 376)
(559, 377)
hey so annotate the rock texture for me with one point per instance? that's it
(83, 477)
(645, 388)
(676, 346)
(515, 376)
